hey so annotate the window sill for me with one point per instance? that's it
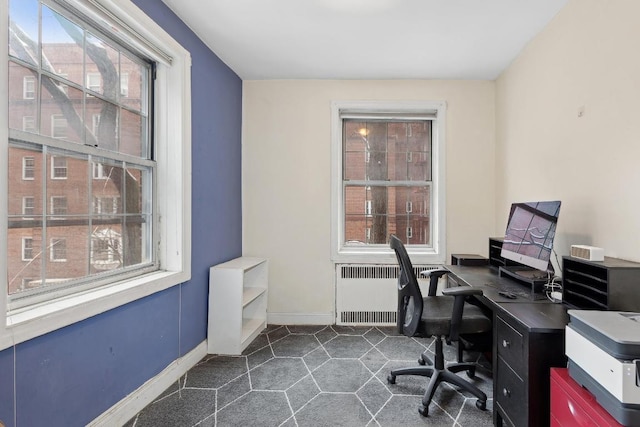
(385, 256)
(28, 323)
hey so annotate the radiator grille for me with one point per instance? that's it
(377, 271)
(368, 317)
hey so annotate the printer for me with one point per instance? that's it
(603, 348)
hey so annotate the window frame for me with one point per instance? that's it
(25, 168)
(53, 242)
(29, 87)
(172, 139)
(436, 253)
(55, 169)
(24, 246)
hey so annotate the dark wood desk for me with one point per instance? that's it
(528, 339)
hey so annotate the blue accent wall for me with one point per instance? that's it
(71, 376)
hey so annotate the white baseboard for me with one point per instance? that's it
(128, 407)
(301, 318)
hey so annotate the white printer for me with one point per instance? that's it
(603, 348)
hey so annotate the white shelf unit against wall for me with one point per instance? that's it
(237, 304)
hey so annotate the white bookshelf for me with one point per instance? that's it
(237, 304)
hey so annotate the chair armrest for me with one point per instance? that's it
(438, 272)
(433, 276)
(461, 290)
(460, 294)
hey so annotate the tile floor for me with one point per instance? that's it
(315, 376)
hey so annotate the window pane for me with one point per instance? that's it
(62, 46)
(61, 114)
(134, 76)
(68, 255)
(106, 249)
(25, 262)
(22, 95)
(25, 176)
(102, 123)
(387, 151)
(138, 217)
(132, 133)
(73, 189)
(107, 187)
(23, 34)
(373, 213)
(102, 67)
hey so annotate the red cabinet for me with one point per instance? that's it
(572, 405)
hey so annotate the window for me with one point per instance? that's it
(27, 249)
(387, 155)
(58, 126)
(58, 167)
(29, 124)
(28, 206)
(105, 205)
(95, 123)
(58, 250)
(58, 205)
(29, 87)
(28, 167)
(149, 255)
(124, 84)
(94, 82)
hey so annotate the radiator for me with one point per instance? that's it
(368, 294)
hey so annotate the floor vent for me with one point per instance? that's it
(367, 294)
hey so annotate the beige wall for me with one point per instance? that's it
(286, 178)
(588, 58)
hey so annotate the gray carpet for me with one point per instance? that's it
(316, 376)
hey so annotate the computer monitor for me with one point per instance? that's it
(530, 232)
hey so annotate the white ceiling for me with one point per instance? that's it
(366, 39)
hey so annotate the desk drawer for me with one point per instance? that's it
(510, 345)
(511, 394)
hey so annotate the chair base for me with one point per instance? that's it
(438, 374)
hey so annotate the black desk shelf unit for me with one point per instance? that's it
(495, 259)
(612, 284)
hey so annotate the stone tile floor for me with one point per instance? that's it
(316, 376)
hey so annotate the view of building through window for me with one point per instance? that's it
(387, 181)
(80, 166)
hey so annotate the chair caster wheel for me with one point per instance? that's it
(471, 373)
(481, 405)
(421, 361)
(423, 410)
(391, 379)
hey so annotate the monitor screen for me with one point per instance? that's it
(530, 232)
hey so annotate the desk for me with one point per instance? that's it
(528, 339)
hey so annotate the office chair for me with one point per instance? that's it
(446, 316)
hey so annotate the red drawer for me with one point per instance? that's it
(572, 405)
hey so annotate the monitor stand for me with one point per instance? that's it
(536, 279)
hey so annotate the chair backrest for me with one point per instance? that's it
(410, 302)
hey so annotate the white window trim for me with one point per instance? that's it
(382, 253)
(24, 168)
(54, 167)
(24, 205)
(23, 248)
(58, 118)
(27, 81)
(173, 147)
(28, 120)
(54, 241)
